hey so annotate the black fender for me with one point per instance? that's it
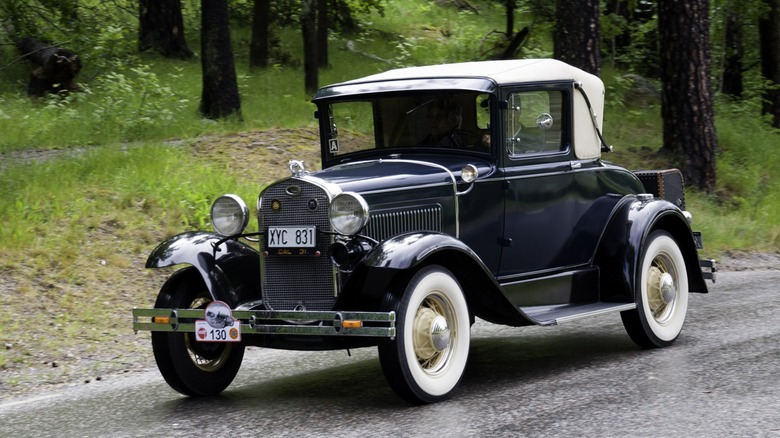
(393, 261)
(230, 271)
(620, 248)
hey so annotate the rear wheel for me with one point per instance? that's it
(426, 360)
(661, 296)
(190, 367)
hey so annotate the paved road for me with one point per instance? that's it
(581, 379)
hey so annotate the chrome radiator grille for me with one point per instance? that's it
(291, 282)
(389, 223)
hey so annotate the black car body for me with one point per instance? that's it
(503, 211)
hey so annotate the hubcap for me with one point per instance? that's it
(432, 337)
(440, 333)
(667, 287)
(662, 292)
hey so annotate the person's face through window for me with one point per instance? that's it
(438, 121)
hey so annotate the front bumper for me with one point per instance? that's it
(269, 322)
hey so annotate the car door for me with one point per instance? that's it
(541, 202)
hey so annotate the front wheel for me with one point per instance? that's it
(661, 296)
(425, 361)
(190, 367)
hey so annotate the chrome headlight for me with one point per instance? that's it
(348, 213)
(229, 215)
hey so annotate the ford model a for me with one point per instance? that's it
(447, 193)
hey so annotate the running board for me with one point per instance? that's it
(556, 314)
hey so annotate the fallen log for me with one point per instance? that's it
(55, 68)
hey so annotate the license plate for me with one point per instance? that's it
(291, 237)
(204, 332)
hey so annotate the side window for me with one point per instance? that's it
(534, 122)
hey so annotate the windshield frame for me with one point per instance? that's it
(412, 109)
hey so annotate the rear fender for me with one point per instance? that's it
(620, 249)
(231, 271)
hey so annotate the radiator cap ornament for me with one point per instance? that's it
(297, 168)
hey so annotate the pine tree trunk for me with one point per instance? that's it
(576, 37)
(734, 53)
(511, 5)
(220, 86)
(687, 97)
(308, 27)
(258, 50)
(161, 28)
(323, 25)
(769, 31)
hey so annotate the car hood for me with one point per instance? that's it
(387, 174)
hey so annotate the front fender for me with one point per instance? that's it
(408, 250)
(394, 259)
(620, 249)
(231, 271)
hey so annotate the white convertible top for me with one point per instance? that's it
(500, 72)
(517, 72)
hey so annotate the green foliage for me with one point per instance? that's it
(124, 104)
(128, 98)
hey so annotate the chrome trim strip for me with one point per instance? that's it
(271, 322)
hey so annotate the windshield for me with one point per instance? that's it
(441, 120)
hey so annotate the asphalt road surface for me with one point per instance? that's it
(584, 378)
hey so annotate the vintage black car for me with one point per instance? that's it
(447, 193)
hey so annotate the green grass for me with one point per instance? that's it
(64, 199)
(76, 231)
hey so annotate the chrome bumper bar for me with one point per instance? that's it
(269, 322)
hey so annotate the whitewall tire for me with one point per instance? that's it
(661, 295)
(427, 358)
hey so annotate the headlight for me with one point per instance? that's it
(348, 213)
(229, 215)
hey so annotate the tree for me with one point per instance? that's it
(220, 86)
(259, 47)
(308, 20)
(769, 35)
(687, 97)
(629, 33)
(161, 28)
(576, 37)
(734, 49)
(323, 25)
(510, 6)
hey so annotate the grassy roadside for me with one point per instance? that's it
(77, 233)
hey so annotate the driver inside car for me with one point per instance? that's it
(444, 123)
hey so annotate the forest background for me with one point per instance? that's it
(91, 179)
